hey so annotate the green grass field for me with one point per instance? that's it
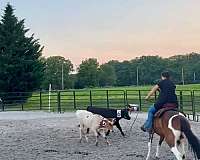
(114, 97)
(179, 87)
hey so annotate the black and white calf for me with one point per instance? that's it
(112, 114)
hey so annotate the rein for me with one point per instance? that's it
(133, 123)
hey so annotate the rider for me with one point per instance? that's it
(167, 95)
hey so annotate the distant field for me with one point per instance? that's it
(179, 87)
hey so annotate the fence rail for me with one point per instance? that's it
(69, 100)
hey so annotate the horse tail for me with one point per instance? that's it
(192, 139)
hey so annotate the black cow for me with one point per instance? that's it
(111, 113)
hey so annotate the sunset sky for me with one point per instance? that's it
(111, 29)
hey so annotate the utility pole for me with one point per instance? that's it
(182, 77)
(137, 76)
(62, 78)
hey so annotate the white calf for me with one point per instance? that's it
(93, 122)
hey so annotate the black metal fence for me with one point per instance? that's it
(69, 100)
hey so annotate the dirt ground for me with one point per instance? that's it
(51, 136)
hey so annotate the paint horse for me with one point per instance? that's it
(173, 127)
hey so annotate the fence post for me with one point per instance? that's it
(140, 100)
(181, 101)
(74, 95)
(2, 105)
(126, 98)
(40, 100)
(193, 106)
(125, 102)
(107, 99)
(59, 107)
(90, 98)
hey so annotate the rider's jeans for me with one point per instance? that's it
(149, 122)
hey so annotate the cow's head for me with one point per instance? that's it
(107, 124)
(126, 114)
(133, 107)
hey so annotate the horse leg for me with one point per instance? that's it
(119, 127)
(182, 145)
(158, 146)
(174, 140)
(149, 145)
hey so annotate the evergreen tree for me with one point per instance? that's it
(21, 69)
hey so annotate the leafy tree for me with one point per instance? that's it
(87, 75)
(150, 68)
(190, 64)
(107, 75)
(53, 73)
(123, 72)
(21, 69)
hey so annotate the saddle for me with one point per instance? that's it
(166, 107)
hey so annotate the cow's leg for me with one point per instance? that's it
(96, 137)
(119, 127)
(81, 132)
(158, 146)
(104, 136)
(86, 138)
(107, 132)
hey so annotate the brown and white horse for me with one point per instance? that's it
(174, 128)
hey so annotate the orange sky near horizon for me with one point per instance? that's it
(112, 30)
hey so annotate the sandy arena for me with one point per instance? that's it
(52, 136)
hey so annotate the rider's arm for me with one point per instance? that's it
(153, 90)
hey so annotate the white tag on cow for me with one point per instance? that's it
(119, 114)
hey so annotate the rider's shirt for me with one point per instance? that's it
(167, 94)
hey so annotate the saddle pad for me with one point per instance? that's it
(160, 112)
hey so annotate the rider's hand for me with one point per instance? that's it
(147, 98)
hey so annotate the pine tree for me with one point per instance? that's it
(21, 69)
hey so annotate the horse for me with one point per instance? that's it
(173, 127)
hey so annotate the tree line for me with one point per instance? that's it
(144, 70)
(22, 67)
